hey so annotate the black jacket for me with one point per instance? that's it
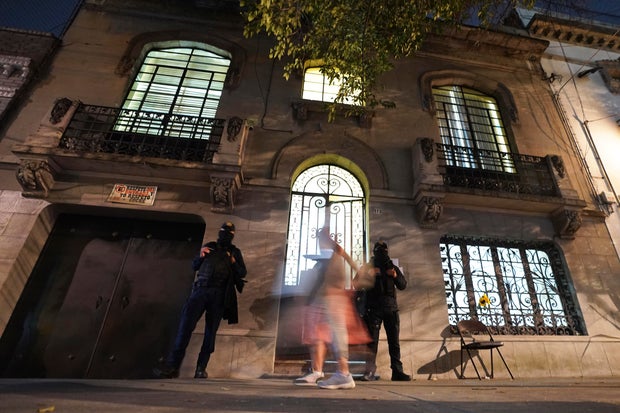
(233, 276)
(383, 295)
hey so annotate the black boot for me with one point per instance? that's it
(201, 373)
(166, 373)
(400, 376)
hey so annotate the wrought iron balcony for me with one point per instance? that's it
(100, 129)
(495, 171)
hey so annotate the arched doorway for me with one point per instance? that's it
(321, 195)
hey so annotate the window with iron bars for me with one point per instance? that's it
(173, 92)
(513, 287)
(471, 124)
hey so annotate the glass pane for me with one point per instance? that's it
(176, 81)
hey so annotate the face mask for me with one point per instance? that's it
(225, 238)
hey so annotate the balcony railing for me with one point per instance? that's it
(100, 129)
(495, 171)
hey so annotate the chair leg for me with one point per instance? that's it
(472, 363)
(506, 365)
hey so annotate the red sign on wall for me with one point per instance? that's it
(133, 194)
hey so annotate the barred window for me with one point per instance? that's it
(318, 87)
(511, 286)
(471, 128)
(324, 195)
(173, 92)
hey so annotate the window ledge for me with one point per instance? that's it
(302, 107)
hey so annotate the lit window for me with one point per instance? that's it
(527, 289)
(173, 92)
(324, 195)
(472, 130)
(318, 87)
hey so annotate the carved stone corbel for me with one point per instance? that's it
(300, 110)
(558, 165)
(60, 109)
(427, 148)
(223, 192)
(428, 211)
(234, 128)
(566, 222)
(36, 177)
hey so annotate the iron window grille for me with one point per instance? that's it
(169, 111)
(471, 120)
(323, 195)
(524, 284)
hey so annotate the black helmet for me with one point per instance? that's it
(228, 227)
(380, 246)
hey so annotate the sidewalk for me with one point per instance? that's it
(280, 395)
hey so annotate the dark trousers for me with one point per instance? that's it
(391, 322)
(202, 300)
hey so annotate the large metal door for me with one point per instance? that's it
(104, 298)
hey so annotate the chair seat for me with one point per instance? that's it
(483, 345)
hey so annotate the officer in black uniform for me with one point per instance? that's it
(221, 270)
(381, 307)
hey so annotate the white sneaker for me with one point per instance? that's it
(338, 381)
(309, 379)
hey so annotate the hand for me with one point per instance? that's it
(377, 271)
(204, 251)
(391, 272)
(232, 257)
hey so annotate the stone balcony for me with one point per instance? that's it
(458, 176)
(78, 142)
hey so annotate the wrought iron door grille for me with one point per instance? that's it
(484, 169)
(526, 289)
(100, 129)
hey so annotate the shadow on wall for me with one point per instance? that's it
(445, 361)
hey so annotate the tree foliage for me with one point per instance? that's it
(356, 41)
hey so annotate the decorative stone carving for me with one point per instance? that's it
(365, 119)
(566, 222)
(36, 177)
(427, 149)
(60, 109)
(558, 165)
(300, 110)
(223, 191)
(234, 128)
(428, 211)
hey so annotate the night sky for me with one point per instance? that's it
(54, 16)
(49, 16)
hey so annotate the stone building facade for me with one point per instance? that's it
(91, 281)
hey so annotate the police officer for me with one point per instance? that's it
(221, 270)
(382, 308)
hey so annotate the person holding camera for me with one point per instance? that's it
(220, 270)
(382, 308)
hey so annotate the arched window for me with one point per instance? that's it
(173, 92)
(324, 195)
(471, 129)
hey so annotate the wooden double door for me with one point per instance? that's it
(103, 300)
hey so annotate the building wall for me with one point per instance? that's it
(86, 68)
